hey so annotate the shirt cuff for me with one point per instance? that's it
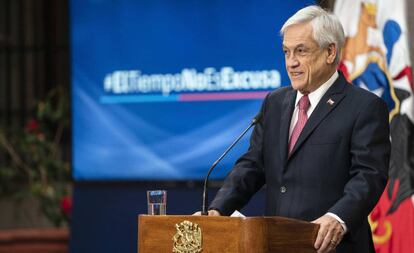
(340, 221)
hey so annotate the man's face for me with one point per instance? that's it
(307, 65)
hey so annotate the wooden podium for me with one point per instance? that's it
(226, 234)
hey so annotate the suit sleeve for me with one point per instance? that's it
(370, 153)
(246, 177)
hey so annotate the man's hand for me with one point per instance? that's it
(210, 213)
(330, 234)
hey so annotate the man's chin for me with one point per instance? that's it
(297, 86)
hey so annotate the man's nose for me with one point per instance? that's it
(292, 61)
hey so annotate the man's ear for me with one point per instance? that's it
(331, 53)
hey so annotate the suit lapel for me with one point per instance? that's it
(287, 111)
(327, 103)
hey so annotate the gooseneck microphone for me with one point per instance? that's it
(256, 119)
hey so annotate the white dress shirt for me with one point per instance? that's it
(314, 98)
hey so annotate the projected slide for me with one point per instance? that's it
(160, 88)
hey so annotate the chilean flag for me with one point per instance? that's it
(376, 57)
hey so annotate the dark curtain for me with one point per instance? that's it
(34, 55)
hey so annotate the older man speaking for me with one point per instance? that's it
(322, 146)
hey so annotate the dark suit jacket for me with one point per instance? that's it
(339, 163)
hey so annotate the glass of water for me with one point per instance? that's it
(157, 202)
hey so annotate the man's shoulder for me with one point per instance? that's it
(280, 92)
(360, 95)
(277, 96)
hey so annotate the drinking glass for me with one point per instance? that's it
(157, 202)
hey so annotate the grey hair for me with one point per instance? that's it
(327, 28)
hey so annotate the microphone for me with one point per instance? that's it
(256, 119)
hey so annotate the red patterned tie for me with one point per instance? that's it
(302, 118)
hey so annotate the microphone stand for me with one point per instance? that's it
(205, 194)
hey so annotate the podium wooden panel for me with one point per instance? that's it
(230, 234)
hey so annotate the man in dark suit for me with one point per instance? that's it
(322, 146)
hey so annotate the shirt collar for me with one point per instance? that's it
(315, 96)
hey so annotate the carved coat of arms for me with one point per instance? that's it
(188, 238)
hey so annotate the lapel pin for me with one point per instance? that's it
(330, 102)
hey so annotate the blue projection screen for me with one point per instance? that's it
(160, 88)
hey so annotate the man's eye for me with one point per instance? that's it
(301, 51)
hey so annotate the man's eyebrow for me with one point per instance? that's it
(296, 46)
(301, 45)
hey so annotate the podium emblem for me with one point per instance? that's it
(188, 238)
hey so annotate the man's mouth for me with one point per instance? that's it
(296, 74)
